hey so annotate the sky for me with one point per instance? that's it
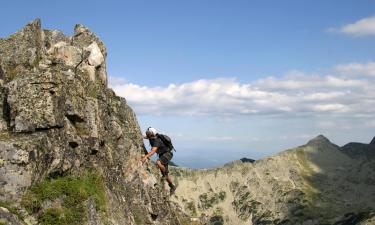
(231, 79)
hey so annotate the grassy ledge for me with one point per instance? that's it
(62, 200)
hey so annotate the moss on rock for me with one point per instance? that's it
(70, 192)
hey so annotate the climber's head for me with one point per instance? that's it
(151, 132)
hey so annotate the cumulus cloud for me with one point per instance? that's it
(358, 69)
(363, 27)
(294, 94)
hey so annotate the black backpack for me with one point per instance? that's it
(166, 141)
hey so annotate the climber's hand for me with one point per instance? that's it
(144, 159)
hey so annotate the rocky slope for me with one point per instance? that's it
(69, 147)
(314, 184)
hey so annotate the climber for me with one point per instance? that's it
(165, 155)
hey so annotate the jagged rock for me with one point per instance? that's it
(359, 150)
(22, 50)
(95, 57)
(60, 123)
(4, 114)
(7, 217)
(34, 102)
(373, 141)
(70, 55)
(14, 177)
(95, 60)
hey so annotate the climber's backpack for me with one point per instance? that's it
(166, 141)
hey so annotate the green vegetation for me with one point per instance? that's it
(217, 220)
(5, 135)
(81, 129)
(12, 209)
(187, 221)
(70, 193)
(92, 91)
(222, 195)
(208, 200)
(191, 207)
(218, 211)
(138, 217)
(11, 74)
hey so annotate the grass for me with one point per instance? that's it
(208, 200)
(81, 129)
(11, 74)
(138, 217)
(5, 135)
(12, 209)
(191, 207)
(71, 191)
(92, 91)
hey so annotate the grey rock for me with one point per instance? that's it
(34, 102)
(58, 118)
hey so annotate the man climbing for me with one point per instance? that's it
(164, 152)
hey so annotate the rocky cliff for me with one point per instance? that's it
(314, 184)
(69, 147)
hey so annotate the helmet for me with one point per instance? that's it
(151, 132)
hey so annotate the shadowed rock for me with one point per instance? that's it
(319, 140)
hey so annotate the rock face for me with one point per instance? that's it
(314, 184)
(360, 150)
(68, 144)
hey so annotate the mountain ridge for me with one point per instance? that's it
(296, 186)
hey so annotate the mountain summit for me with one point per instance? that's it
(70, 148)
(319, 140)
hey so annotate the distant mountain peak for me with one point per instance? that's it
(373, 141)
(320, 139)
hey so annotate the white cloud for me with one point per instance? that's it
(221, 138)
(334, 125)
(330, 108)
(367, 69)
(363, 27)
(294, 94)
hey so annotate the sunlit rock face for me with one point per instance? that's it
(58, 123)
(313, 184)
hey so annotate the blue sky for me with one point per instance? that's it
(231, 79)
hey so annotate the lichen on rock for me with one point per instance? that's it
(59, 120)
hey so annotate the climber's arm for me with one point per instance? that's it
(153, 150)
